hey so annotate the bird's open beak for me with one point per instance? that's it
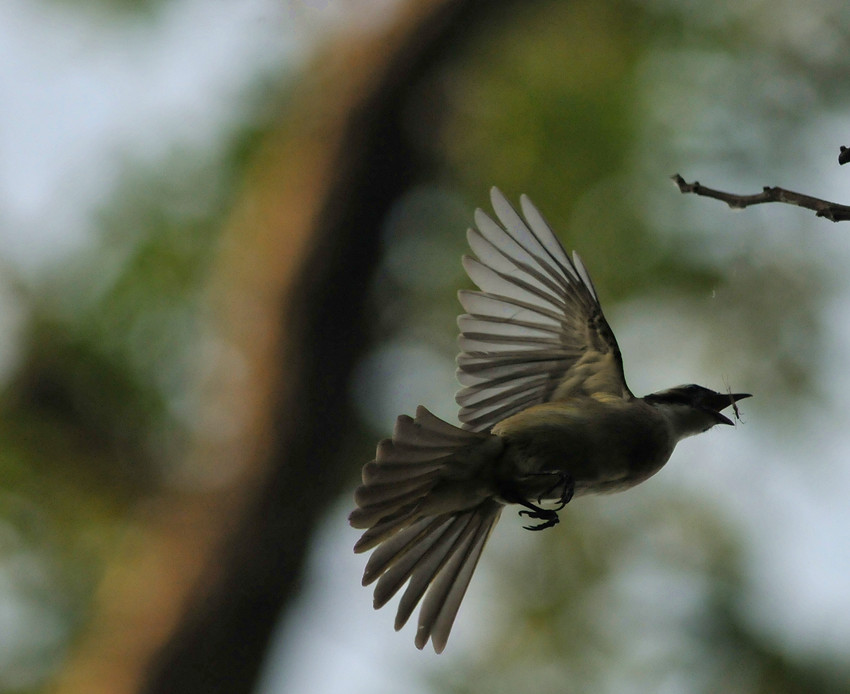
(720, 401)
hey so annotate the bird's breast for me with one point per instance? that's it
(603, 446)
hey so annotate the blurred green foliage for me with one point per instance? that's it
(98, 410)
(585, 106)
(576, 104)
(137, 9)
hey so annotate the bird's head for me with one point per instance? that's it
(693, 409)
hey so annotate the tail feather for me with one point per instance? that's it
(384, 528)
(393, 492)
(426, 520)
(448, 543)
(429, 422)
(444, 570)
(393, 451)
(417, 536)
(396, 569)
(382, 472)
(446, 592)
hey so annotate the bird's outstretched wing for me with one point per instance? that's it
(535, 332)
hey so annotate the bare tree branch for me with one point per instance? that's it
(822, 208)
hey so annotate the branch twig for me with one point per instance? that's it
(822, 208)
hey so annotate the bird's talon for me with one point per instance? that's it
(549, 517)
(550, 523)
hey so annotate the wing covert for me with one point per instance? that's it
(535, 332)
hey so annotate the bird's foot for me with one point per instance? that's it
(565, 482)
(549, 516)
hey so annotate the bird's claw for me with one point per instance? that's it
(567, 489)
(548, 516)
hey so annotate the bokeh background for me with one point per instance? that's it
(229, 249)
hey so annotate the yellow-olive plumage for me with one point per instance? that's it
(546, 414)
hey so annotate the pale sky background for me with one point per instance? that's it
(71, 114)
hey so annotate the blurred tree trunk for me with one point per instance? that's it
(192, 600)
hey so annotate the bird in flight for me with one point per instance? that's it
(546, 415)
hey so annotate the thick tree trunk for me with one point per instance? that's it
(210, 573)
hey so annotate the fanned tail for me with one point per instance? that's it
(426, 509)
